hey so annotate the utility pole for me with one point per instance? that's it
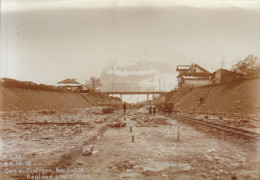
(164, 85)
(113, 83)
(159, 83)
(222, 63)
(178, 118)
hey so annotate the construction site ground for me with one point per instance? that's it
(98, 149)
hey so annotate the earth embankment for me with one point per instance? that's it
(236, 97)
(35, 99)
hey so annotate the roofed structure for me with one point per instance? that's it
(70, 84)
(223, 76)
(192, 76)
(182, 68)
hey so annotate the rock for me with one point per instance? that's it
(87, 150)
(93, 109)
(87, 110)
(95, 152)
(142, 110)
(117, 123)
(97, 110)
(134, 118)
(105, 110)
(79, 162)
(129, 170)
(99, 121)
(244, 121)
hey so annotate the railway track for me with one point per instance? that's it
(233, 130)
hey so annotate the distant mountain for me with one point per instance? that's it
(151, 67)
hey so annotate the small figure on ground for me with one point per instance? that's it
(154, 110)
(124, 107)
(201, 100)
(150, 109)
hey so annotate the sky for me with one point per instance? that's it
(48, 41)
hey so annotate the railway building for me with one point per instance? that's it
(224, 76)
(193, 75)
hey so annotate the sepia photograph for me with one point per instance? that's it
(130, 90)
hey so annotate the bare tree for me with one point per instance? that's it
(93, 83)
(246, 66)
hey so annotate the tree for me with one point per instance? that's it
(93, 83)
(246, 66)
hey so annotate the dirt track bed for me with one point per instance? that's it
(250, 122)
(155, 152)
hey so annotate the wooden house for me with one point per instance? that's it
(193, 75)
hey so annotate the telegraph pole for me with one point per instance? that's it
(164, 85)
(159, 83)
(178, 117)
(222, 63)
(113, 83)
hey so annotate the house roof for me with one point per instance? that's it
(207, 73)
(227, 71)
(182, 67)
(195, 77)
(69, 81)
(68, 85)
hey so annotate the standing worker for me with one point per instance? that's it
(150, 109)
(124, 107)
(154, 109)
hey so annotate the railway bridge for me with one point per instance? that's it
(133, 91)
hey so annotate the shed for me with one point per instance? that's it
(223, 76)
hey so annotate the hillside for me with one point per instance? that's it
(236, 97)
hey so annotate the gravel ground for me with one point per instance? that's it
(96, 150)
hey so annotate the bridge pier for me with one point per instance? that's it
(147, 98)
(121, 95)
